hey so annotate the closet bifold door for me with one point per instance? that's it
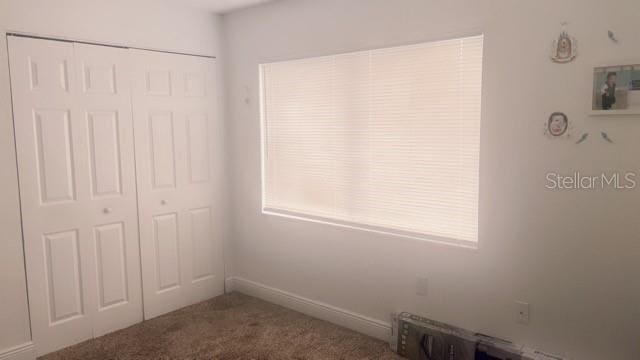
(178, 178)
(74, 141)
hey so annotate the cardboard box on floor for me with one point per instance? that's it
(418, 338)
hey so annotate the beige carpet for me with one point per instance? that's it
(232, 326)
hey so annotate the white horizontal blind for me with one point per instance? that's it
(387, 138)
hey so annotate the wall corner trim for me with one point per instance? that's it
(354, 321)
(26, 351)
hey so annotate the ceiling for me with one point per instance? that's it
(222, 6)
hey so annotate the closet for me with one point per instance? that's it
(118, 185)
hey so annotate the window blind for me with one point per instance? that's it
(386, 139)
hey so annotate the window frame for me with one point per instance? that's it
(360, 226)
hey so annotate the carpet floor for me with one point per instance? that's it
(231, 326)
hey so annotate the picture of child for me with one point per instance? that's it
(608, 91)
(616, 89)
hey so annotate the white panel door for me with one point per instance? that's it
(105, 104)
(74, 140)
(178, 178)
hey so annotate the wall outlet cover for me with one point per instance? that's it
(522, 312)
(422, 286)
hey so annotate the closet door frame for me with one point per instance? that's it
(197, 211)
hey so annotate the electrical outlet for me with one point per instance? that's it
(522, 312)
(422, 286)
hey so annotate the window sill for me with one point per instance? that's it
(464, 244)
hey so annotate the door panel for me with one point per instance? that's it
(111, 264)
(104, 144)
(165, 233)
(158, 82)
(200, 237)
(179, 237)
(104, 100)
(197, 130)
(63, 276)
(50, 150)
(194, 84)
(99, 77)
(162, 152)
(48, 75)
(54, 155)
(74, 141)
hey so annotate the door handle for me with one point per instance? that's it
(106, 210)
(163, 202)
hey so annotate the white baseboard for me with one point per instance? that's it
(25, 351)
(354, 321)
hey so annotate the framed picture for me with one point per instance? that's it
(616, 90)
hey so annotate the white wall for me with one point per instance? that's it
(575, 255)
(143, 23)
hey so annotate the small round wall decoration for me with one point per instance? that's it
(557, 126)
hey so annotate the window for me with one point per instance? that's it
(386, 140)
